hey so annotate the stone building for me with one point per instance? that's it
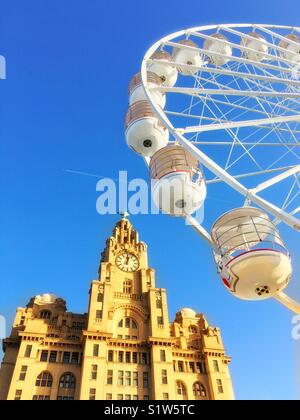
(124, 348)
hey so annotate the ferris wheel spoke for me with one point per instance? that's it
(238, 124)
(276, 179)
(275, 35)
(229, 143)
(220, 92)
(289, 199)
(250, 174)
(275, 105)
(220, 71)
(235, 140)
(277, 132)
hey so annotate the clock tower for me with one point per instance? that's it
(125, 309)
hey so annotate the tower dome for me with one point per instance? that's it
(188, 313)
(46, 298)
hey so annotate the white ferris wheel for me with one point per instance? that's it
(221, 104)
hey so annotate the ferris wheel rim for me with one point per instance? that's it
(281, 215)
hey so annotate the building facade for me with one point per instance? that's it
(124, 348)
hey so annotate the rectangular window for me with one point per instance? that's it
(220, 386)
(96, 350)
(92, 396)
(110, 377)
(216, 366)
(100, 297)
(108, 397)
(99, 314)
(120, 397)
(44, 356)
(120, 337)
(66, 357)
(164, 377)
(41, 398)
(165, 396)
(134, 337)
(135, 379)
(18, 395)
(53, 357)
(127, 337)
(143, 358)
(158, 304)
(134, 358)
(145, 380)
(121, 378)
(128, 379)
(180, 367)
(127, 397)
(127, 287)
(192, 367)
(162, 355)
(121, 357)
(127, 323)
(75, 359)
(160, 320)
(110, 356)
(28, 351)
(23, 372)
(135, 398)
(146, 398)
(201, 368)
(127, 357)
(94, 372)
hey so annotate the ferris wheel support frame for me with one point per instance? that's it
(219, 172)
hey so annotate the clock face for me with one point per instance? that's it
(127, 262)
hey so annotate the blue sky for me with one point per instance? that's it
(62, 108)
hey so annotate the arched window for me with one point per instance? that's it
(44, 380)
(45, 315)
(181, 390)
(133, 324)
(199, 390)
(67, 381)
(193, 329)
(128, 323)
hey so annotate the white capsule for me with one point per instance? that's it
(167, 72)
(218, 45)
(188, 57)
(144, 132)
